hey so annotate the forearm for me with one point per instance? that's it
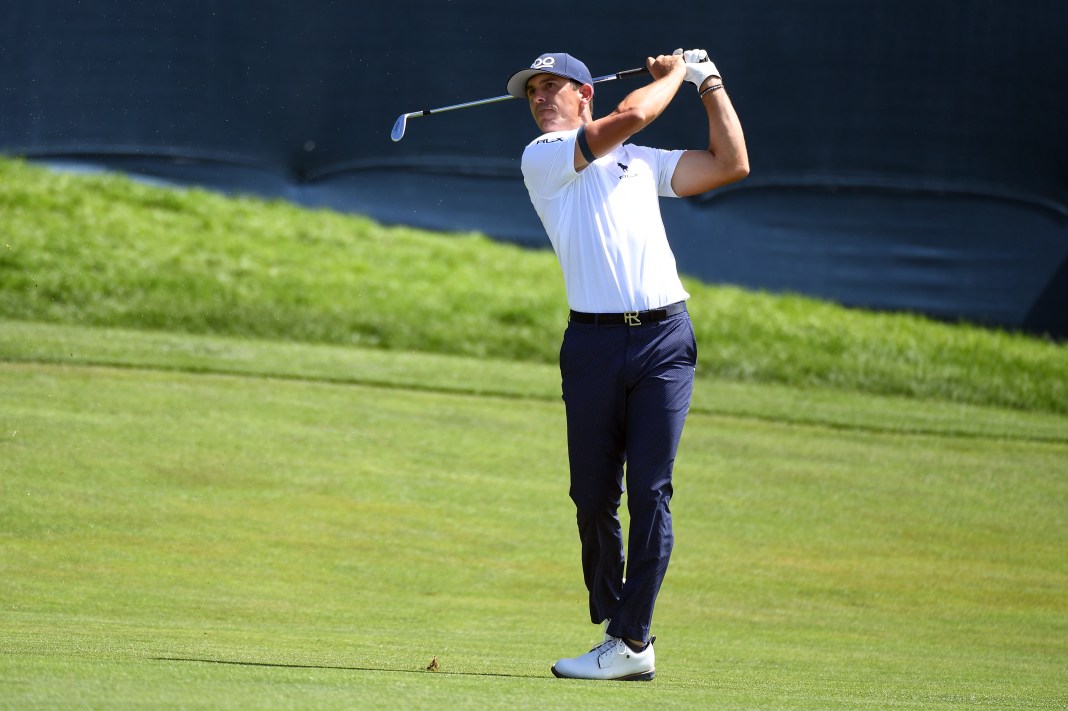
(648, 102)
(726, 141)
(637, 110)
(726, 159)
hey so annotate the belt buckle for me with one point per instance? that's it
(631, 318)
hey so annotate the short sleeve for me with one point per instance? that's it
(666, 163)
(549, 163)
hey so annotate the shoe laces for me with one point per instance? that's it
(609, 641)
(607, 647)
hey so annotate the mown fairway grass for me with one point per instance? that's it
(226, 482)
(299, 540)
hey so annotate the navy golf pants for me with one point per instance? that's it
(626, 391)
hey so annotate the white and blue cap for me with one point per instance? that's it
(558, 63)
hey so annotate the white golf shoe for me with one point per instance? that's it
(612, 659)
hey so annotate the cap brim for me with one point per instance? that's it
(517, 85)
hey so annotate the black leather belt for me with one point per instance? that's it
(629, 318)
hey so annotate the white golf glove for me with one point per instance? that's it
(698, 66)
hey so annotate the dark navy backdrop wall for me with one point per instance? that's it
(906, 154)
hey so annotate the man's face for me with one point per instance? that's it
(555, 102)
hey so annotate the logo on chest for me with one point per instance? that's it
(626, 172)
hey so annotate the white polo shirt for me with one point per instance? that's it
(604, 222)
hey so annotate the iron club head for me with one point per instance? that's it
(398, 128)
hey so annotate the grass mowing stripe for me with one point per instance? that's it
(892, 418)
(21, 341)
(321, 529)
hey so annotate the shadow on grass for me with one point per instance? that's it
(339, 668)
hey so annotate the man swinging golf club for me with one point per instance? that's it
(628, 355)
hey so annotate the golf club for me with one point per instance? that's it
(402, 121)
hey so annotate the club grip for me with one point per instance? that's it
(631, 72)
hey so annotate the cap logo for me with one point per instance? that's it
(543, 62)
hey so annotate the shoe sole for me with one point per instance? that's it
(641, 676)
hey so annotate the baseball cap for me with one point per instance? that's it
(558, 63)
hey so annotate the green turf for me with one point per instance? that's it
(253, 456)
(102, 250)
(221, 523)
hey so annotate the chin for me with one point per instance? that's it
(549, 125)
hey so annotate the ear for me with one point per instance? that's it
(586, 92)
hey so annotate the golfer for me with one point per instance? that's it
(628, 355)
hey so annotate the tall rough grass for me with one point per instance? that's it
(105, 250)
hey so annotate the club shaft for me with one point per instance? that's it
(505, 97)
(442, 109)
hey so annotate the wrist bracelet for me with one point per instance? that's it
(709, 90)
